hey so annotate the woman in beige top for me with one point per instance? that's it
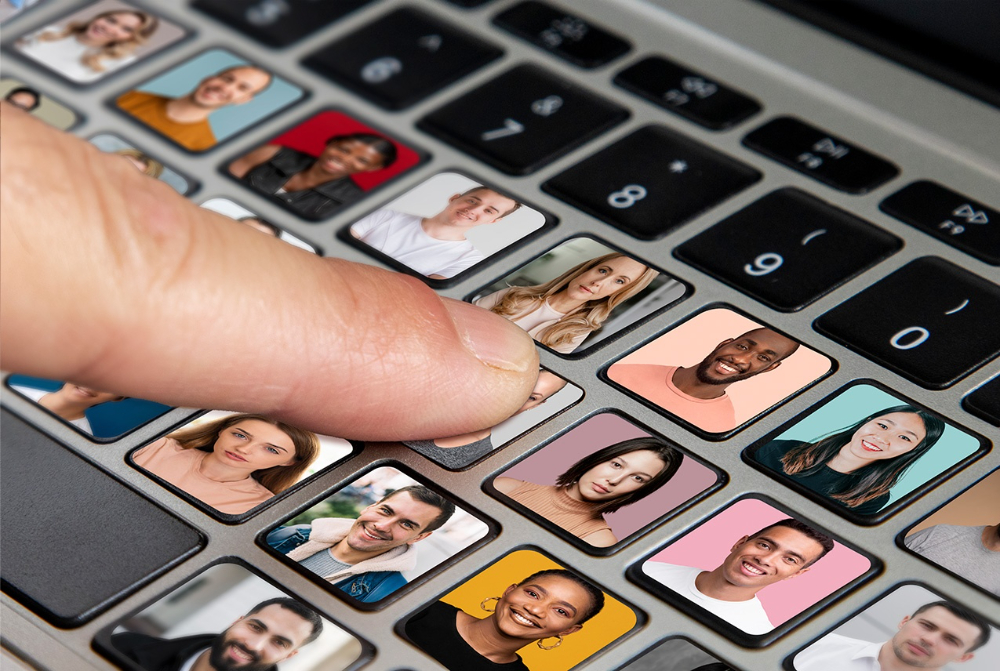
(603, 482)
(562, 312)
(232, 464)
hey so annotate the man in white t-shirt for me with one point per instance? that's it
(435, 246)
(937, 634)
(781, 551)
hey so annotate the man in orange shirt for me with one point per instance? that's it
(185, 119)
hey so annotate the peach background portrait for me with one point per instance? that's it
(596, 433)
(614, 620)
(689, 343)
(979, 505)
(708, 545)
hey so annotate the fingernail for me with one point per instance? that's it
(492, 339)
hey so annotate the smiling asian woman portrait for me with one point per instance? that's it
(234, 463)
(562, 312)
(544, 608)
(603, 482)
(856, 466)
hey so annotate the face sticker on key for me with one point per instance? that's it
(246, 217)
(20, 95)
(142, 162)
(718, 370)
(866, 452)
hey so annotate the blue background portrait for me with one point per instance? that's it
(861, 400)
(226, 121)
(107, 420)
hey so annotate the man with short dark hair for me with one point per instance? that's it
(185, 119)
(271, 632)
(780, 551)
(937, 634)
(698, 393)
(365, 557)
(436, 246)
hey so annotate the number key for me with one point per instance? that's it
(788, 249)
(930, 321)
(278, 22)
(651, 182)
(568, 36)
(523, 119)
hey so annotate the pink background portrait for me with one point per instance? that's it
(688, 344)
(708, 546)
(598, 432)
(311, 135)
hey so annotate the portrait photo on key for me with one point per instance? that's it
(447, 225)
(753, 566)
(90, 43)
(208, 99)
(551, 395)
(28, 98)
(865, 451)
(233, 462)
(606, 479)
(376, 535)
(677, 654)
(579, 294)
(143, 162)
(102, 416)
(323, 164)
(718, 370)
(227, 618)
(237, 212)
(911, 628)
(525, 612)
(963, 535)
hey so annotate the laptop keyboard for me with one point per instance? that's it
(760, 205)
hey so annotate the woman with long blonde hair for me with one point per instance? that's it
(84, 51)
(562, 312)
(234, 463)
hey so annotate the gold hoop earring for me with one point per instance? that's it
(487, 600)
(549, 647)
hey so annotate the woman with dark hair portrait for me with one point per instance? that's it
(543, 608)
(315, 186)
(562, 312)
(603, 482)
(234, 463)
(84, 51)
(857, 466)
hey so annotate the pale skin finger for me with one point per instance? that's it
(111, 280)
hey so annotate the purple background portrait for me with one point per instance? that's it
(596, 433)
(708, 546)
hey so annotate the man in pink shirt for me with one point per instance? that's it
(697, 394)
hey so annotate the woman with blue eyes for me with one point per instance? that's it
(857, 465)
(561, 313)
(603, 482)
(543, 609)
(234, 463)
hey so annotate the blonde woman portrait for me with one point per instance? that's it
(84, 50)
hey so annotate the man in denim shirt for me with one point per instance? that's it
(365, 557)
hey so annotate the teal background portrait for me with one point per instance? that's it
(226, 121)
(859, 401)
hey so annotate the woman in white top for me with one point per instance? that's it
(85, 51)
(561, 313)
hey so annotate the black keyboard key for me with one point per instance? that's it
(402, 58)
(75, 540)
(651, 182)
(822, 156)
(985, 401)
(566, 35)
(468, 3)
(930, 321)
(278, 23)
(947, 215)
(690, 94)
(523, 119)
(788, 249)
